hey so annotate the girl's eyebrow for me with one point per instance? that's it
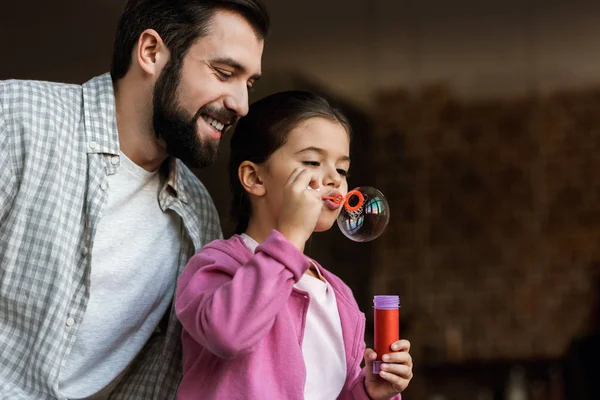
(321, 152)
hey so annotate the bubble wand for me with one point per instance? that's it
(339, 200)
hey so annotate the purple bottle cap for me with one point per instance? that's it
(377, 367)
(386, 302)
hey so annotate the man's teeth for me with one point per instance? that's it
(214, 123)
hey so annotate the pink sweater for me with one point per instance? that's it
(243, 323)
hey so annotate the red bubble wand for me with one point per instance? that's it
(349, 200)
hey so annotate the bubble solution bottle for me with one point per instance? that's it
(387, 326)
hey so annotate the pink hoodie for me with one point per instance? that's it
(243, 323)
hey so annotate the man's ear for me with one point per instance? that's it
(249, 176)
(151, 53)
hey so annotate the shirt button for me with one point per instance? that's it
(114, 160)
(85, 251)
(104, 185)
(93, 145)
(70, 322)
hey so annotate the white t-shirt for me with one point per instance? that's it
(323, 344)
(133, 272)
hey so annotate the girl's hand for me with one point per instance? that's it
(301, 208)
(396, 371)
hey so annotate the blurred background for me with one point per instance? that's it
(479, 121)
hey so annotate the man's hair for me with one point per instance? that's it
(179, 23)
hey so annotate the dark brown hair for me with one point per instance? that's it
(179, 23)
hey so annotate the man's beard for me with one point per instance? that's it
(177, 128)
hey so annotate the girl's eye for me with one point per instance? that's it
(224, 74)
(342, 172)
(312, 163)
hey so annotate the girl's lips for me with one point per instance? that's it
(333, 200)
(331, 204)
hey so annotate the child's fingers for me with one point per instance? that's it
(400, 370)
(400, 357)
(302, 181)
(398, 383)
(370, 356)
(293, 176)
(401, 345)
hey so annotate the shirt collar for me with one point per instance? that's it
(176, 179)
(100, 115)
(100, 118)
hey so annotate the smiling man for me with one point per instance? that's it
(98, 210)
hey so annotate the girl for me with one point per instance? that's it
(260, 319)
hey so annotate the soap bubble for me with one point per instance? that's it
(364, 215)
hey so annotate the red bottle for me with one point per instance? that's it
(387, 326)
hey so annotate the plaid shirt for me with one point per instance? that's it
(58, 143)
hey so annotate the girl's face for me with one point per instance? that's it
(323, 147)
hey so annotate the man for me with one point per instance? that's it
(99, 214)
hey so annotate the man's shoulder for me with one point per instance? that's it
(19, 88)
(24, 98)
(33, 83)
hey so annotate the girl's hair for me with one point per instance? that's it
(264, 130)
